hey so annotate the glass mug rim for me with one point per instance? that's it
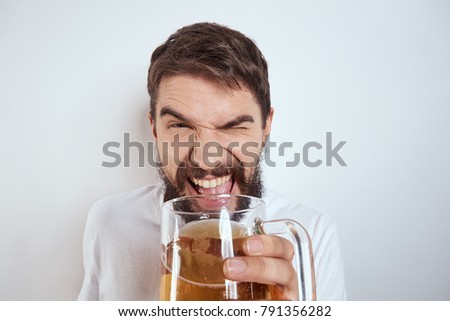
(259, 203)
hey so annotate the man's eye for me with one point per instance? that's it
(179, 125)
(238, 128)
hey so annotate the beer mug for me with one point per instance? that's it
(199, 232)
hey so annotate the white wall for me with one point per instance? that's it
(375, 73)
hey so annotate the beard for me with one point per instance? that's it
(249, 184)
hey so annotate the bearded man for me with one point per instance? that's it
(208, 84)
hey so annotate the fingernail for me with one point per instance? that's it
(236, 266)
(254, 246)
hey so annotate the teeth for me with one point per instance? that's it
(212, 182)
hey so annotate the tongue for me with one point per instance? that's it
(222, 189)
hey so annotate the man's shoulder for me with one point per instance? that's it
(282, 206)
(131, 203)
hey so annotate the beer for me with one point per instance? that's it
(193, 267)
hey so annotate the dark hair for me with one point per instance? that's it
(215, 53)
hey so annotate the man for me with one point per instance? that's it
(208, 85)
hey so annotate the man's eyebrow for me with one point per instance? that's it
(167, 110)
(237, 121)
(170, 111)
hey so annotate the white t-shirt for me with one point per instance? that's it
(121, 246)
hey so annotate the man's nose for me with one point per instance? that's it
(209, 151)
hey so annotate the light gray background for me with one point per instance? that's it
(375, 73)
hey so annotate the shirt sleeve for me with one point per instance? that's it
(90, 287)
(330, 279)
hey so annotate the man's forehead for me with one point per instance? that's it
(187, 94)
(198, 86)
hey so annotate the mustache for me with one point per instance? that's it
(190, 170)
(199, 173)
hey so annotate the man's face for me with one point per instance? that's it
(209, 139)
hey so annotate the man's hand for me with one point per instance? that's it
(268, 260)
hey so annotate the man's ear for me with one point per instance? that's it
(152, 124)
(268, 125)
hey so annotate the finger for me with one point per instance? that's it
(267, 270)
(269, 245)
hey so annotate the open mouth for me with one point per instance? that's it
(212, 185)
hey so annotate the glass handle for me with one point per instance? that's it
(303, 258)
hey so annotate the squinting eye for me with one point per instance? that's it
(179, 125)
(238, 128)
